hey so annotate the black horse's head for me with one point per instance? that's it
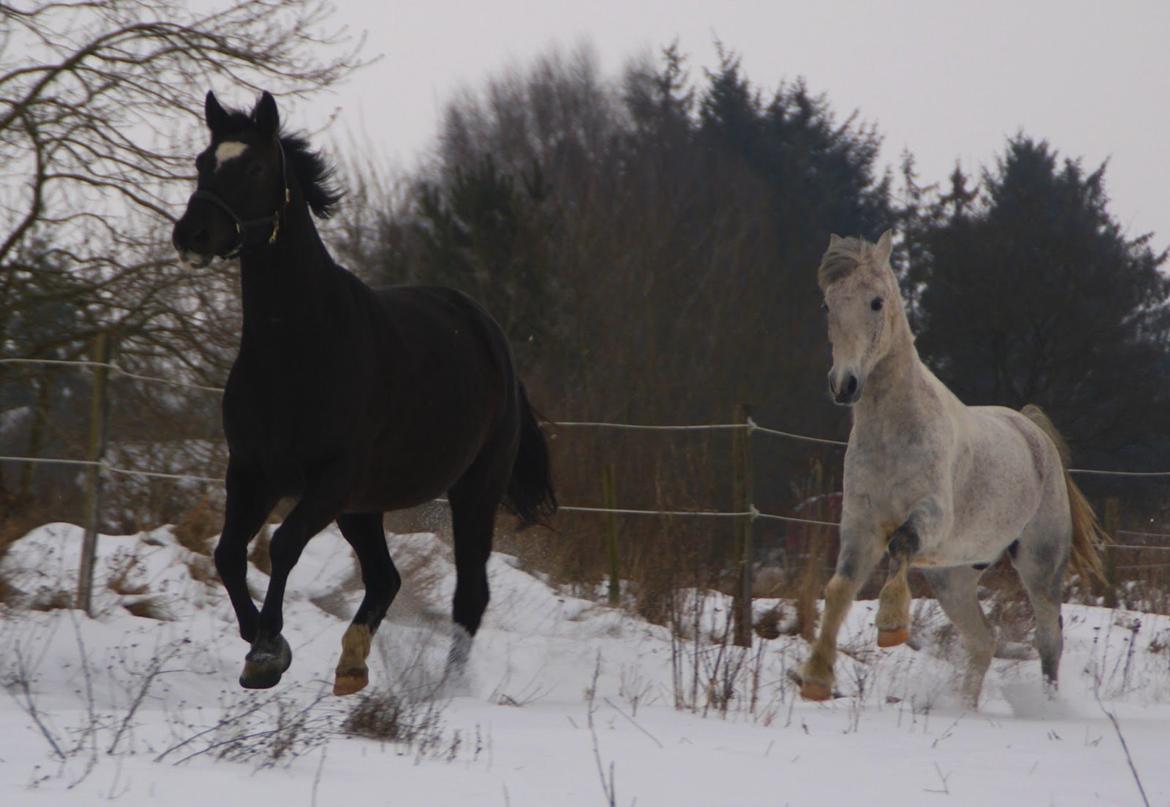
(242, 187)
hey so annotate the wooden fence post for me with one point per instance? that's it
(1111, 525)
(741, 462)
(609, 501)
(808, 587)
(93, 486)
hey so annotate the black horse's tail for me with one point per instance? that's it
(530, 491)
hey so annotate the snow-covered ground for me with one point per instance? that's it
(566, 701)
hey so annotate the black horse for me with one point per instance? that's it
(351, 400)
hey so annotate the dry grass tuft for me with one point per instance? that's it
(153, 607)
(259, 555)
(767, 625)
(388, 717)
(202, 570)
(198, 526)
(120, 579)
(54, 600)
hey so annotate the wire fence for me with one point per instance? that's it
(749, 425)
(115, 469)
(748, 512)
(753, 513)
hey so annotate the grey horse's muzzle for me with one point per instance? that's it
(845, 390)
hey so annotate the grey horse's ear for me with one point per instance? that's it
(885, 245)
(834, 240)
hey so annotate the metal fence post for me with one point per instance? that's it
(1111, 525)
(609, 499)
(93, 486)
(741, 459)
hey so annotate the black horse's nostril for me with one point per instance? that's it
(191, 237)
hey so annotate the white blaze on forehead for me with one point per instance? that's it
(228, 150)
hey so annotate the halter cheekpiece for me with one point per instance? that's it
(244, 226)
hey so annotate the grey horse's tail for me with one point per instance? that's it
(1088, 537)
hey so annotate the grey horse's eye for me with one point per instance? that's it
(876, 304)
(825, 307)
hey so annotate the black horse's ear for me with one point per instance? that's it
(215, 115)
(265, 116)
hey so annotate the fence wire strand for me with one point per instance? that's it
(645, 427)
(114, 368)
(750, 426)
(115, 469)
(755, 427)
(1139, 533)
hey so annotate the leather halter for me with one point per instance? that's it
(244, 226)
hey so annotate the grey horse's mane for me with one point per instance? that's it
(842, 258)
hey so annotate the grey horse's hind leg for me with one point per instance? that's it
(955, 590)
(1041, 563)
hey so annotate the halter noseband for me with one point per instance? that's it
(243, 226)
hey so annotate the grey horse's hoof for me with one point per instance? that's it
(265, 663)
(892, 637)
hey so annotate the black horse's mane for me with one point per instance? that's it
(315, 175)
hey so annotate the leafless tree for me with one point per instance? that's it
(99, 122)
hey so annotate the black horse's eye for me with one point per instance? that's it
(876, 304)
(255, 168)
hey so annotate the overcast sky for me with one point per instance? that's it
(946, 80)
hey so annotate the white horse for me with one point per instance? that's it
(940, 486)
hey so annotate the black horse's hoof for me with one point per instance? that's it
(265, 663)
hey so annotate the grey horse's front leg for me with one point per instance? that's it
(893, 616)
(860, 550)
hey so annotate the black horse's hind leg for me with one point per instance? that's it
(270, 655)
(473, 544)
(249, 503)
(474, 500)
(365, 534)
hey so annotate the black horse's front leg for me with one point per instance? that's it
(321, 502)
(249, 502)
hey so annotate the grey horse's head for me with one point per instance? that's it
(862, 303)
